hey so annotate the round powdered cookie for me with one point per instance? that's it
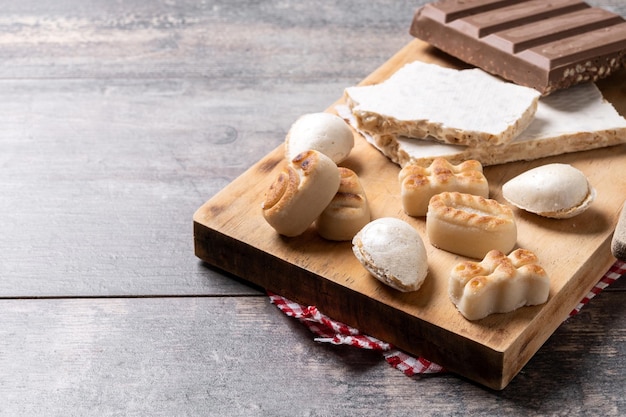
(558, 191)
(323, 132)
(393, 252)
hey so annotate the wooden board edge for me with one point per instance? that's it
(535, 335)
(478, 362)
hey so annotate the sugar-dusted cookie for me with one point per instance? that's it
(559, 191)
(393, 252)
(323, 132)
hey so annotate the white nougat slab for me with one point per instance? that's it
(461, 107)
(570, 120)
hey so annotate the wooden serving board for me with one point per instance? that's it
(230, 233)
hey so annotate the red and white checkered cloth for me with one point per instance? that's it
(332, 331)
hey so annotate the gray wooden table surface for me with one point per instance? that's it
(118, 120)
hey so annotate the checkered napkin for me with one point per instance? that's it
(332, 331)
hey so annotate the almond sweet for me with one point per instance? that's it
(323, 132)
(419, 184)
(460, 107)
(347, 212)
(470, 225)
(557, 191)
(498, 284)
(393, 252)
(570, 120)
(300, 193)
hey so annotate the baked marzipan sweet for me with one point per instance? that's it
(300, 193)
(498, 284)
(323, 132)
(347, 212)
(470, 225)
(418, 184)
(393, 252)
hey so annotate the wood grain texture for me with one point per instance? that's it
(126, 162)
(215, 357)
(118, 120)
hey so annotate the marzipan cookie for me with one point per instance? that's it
(470, 225)
(498, 284)
(348, 211)
(300, 193)
(418, 184)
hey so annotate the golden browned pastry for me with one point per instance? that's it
(498, 284)
(470, 225)
(347, 212)
(300, 193)
(418, 184)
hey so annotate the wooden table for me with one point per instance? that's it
(118, 121)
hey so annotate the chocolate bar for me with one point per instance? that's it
(546, 45)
